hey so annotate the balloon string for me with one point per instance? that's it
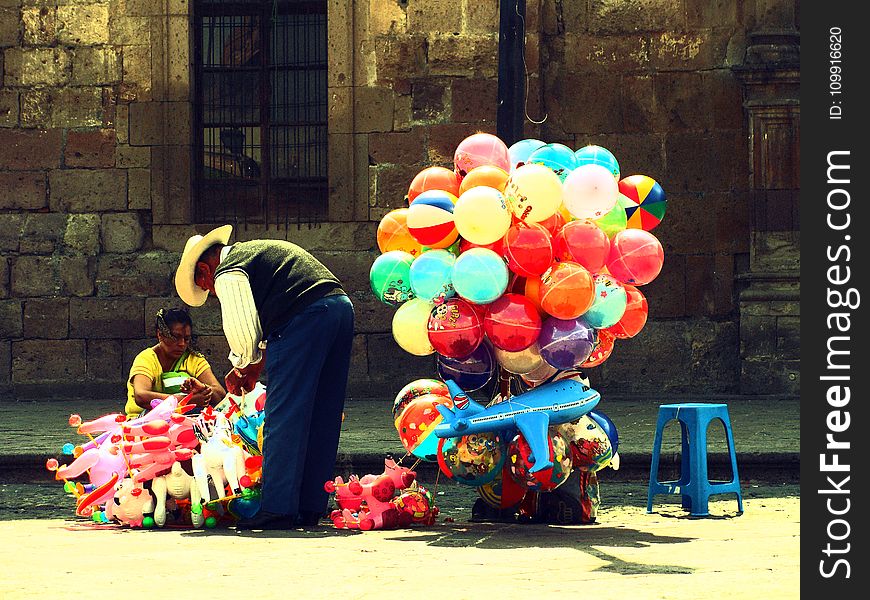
(526, 71)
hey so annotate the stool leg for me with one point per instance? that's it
(685, 465)
(654, 465)
(733, 454)
(700, 488)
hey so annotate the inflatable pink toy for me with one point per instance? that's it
(373, 495)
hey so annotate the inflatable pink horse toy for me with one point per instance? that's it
(365, 503)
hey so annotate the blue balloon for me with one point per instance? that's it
(430, 275)
(472, 372)
(67, 448)
(597, 155)
(557, 157)
(520, 151)
(480, 275)
(609, 304)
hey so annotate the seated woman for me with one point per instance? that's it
(171, 366)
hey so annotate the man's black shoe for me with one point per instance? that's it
(481, 512)
(266, 521)
(308, 519)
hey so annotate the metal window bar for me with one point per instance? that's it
(260, 151)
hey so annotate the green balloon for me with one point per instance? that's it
(390, 277)
(616, 220)
(210, 522)
(148, 522)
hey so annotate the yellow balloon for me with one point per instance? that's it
(524, 361)
(411, 327)
(533, 192)
(481, 215)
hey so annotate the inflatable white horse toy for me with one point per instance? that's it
(219, 459)
(179, 485)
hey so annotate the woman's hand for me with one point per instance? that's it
(200, 393)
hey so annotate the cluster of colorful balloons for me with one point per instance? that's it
(527, 258)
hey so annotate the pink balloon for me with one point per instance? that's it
(636, 256)
(480, 149)
(584, 242)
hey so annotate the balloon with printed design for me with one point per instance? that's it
(393, 233)
(615, 220)
(533, 193)
(609, 303)
(566, 343)
(488, 175)
(481, 215)
(455, 328)
(519, 362)
(601, 349)
(512, 322)
(520, 151)
(557, 157)
(415, 389)
(430, 219)
(475, 459)
(389, 277)
(480, 149)
(472, 372)
(430, 275)
(634, 317)
(583, 242)
(411, 327)
(528, 249)
(590, 192)
(520, 461)
(417, 422)
(480, 275)
(433, 178)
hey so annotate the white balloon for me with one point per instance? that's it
(590, 191)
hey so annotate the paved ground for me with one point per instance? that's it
(627, 554)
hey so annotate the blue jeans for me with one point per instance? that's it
(307, 362)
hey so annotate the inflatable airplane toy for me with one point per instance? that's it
(531, 412)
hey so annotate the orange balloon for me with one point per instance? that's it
(567, 290)
(602, 349)
(393, 233)
(489, 175)
(532, 291)
(433, 178)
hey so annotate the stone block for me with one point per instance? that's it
(359, 362)
(666, 294)
(732, 221)
(616, 16)
(374, 109)
(180, 61)
(5, 361)
(77, 107)
(79, 190)
(122, 123)
(695, 50)
(570, 90)
(770, 377)
(683, 102)
(53, 276)
(398, 57)
(636, 153)
(10, 26)
(715, 356)
(46, 318)
(705, 161)
(10, 231)
(40, 25)
(788, 337)
(436, 16)
(429, 99)
(82, 235)
(36, 66)
(351, 268)
(387, 17)
(129, 350)
(96, 66)
(104, 361)
(10, 319)
(391, 366)
(474, 100)
(707, 13)
(483, 16)
(463, 55)
(42, 232)
(340, 107)
(392, 186)
(638, 100)
(127, 157)
(443, 140)
(170, 184)
(129, 30)
(727, 98)
(688, 216)
(4, 277)
(9, 107)
(83, 24)
(23, 190)
(142, 274)
(757, 336)
(30, 149)
(613, 54)
(106, 317)
(633, 368)
(139, 189)
(39, 361)
(709, 285)
(35, 108)
(137, 72)
(122, 232)
(371, 315)
(216, 351)
(90, 148)
(405, 147)
(206, 318)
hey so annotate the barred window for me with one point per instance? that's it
(260, 118)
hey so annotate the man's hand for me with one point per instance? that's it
(239, 381)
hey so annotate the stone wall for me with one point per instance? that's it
(95, 133)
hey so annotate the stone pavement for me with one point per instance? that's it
(766, 436)
(627, 554)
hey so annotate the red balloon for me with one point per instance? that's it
(519, 461)
(634, 317)
(528, 249)
(567, 290)
(512, 322)
(554, 223)
(433, 178)
(602, 349)
(455, 328)
(636, 256)
(584, 242)
(497, 246)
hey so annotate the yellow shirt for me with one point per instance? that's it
(146, 363)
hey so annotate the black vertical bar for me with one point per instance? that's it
(511, 74)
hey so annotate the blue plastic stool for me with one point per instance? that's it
(694, 484)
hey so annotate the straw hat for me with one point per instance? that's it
(187, 289)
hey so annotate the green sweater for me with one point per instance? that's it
(285, 278)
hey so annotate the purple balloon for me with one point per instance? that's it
(472, 372)
(566, 343)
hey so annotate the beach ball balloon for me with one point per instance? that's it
(601, 349)
(430, 275)
(634, 317)
(472, 372)
(415, 389)
(480, 275)
(590, 192)
(589, 445)
(393, 233)
(609, 302)
(519, 362)
(416, 425)
(411, 327)
(512, 322)
(596, 155)
(430, 219)
(480, 149)
(520, 463)
(582, 242)
(636, 257)
(433, 178)
(528, 249)
(557, 157)
(566, 343)
(389, 277)
(648, 202)
(455, 328)
(520, 151)
(481, 215)
(615, 220)
(567, 290)
(488, 175)
(475, 459)
(533, 192)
